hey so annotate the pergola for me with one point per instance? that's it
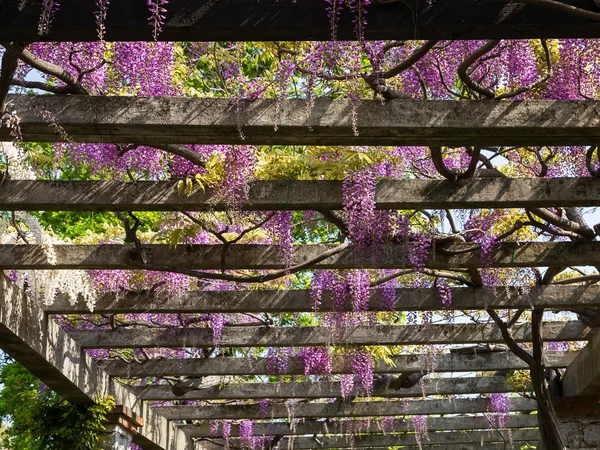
(29, 334)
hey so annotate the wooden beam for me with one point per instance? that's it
(256, 257)
(163, 120)
(582, 377)
(52, 356)
(440, 386)
(374, 426)
(25, 195)
(280, 301)
(425, 446)
(447, 362)
(260, 336)
(397, 439)
(242, 20)
(340, 409)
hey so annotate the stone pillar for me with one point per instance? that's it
(117, 438)
(579, 422)
(123, 425)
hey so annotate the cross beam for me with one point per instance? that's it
(181, 120)
(24, 195)
(260, 336)
(398, 425)
(341, 409)
(281, 301)
(397, 439)
(447, 362)
(270, 20)
(443, 386)
(255, 257)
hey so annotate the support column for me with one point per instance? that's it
(123, 425)
(117, 438)
(579, 422)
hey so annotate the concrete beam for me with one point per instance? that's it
(340, 409)
(25, 195)
(251, 256)
(260, 336)
(280, 301)
(181, 120)
(440, 386)
(582, 377)
(396, 439)
(52, 356)
(246, 20)
(447, 362)
(399, 425)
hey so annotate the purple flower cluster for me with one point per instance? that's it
(500, 406)
(278, 360)
(316, 360)
(359, 206)
(362, 365)
(157, 15)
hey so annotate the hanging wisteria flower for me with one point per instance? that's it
(100, 14)
(445, 292)
(421, 430)
(49, 9)
(217, 322)
(362, 364)
(226, 433)
(157, 15)
(359, 206)
(278, 360)
(316, 360)
(500, 406)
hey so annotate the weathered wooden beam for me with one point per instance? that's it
(259, 336)
(425, 446)
(374, 426)
(341, 409)
(279, 301)
(25, 195)
(440, 386)
(448, 362)
(163, 120)
(256, 257)
(582, 377)
(398, 439)
(52, 356)
(242, 20)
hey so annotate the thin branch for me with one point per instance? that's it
(244, 279)
(59, 90)
(48, 68)
(454, 174)
(510, 341)
(463, 69)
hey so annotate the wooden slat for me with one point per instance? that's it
(395, 439)
(340, 409)
(279, 301)
(448, 362)
(398, 425)
(235, 20)
(25, 195)
(260, 336)
(162, 120)
(250, 256)
(443, 386)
